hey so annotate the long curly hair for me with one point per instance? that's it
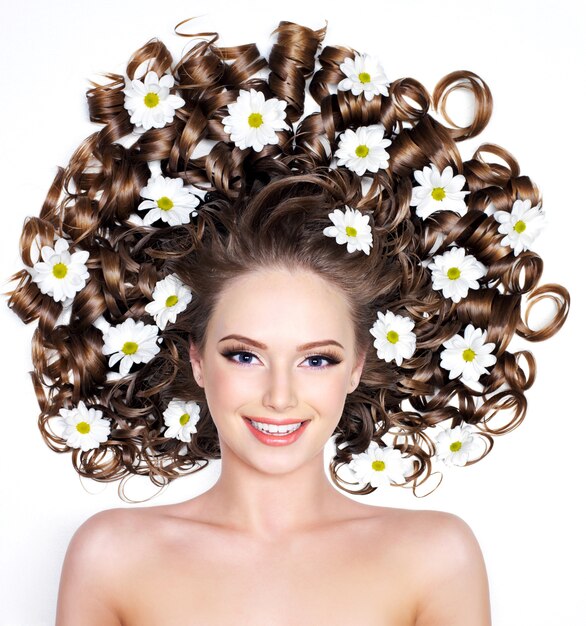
(269, 209)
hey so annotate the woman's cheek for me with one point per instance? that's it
(328, 394)
(222, 387)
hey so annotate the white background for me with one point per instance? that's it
(523, 500)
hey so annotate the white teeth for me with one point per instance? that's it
(274, 429)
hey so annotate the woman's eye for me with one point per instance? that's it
(231, 354)
(314, 360)
(325, 359)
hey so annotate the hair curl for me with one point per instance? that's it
(269, 209)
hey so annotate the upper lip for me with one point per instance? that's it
(268, 420)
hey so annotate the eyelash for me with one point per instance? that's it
(328, 356)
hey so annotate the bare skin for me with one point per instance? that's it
(373, 566)
(273, 543)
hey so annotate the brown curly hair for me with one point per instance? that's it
(269, 209)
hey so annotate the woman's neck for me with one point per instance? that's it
(269, 505)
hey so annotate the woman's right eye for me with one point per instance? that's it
(231, 354)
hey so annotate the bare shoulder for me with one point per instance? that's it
(445, 559)
(92, 569)
(430, 527)
(443, 538)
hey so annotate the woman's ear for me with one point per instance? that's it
(356, 373)
(196, 363)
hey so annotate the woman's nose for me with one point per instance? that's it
(280, 394)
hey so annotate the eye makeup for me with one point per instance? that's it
(327, 355)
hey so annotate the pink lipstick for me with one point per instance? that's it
(271, 439)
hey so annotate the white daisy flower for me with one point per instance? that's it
(252, 121)
(60, 274)
(167, 200)
(364, 75)
(150, 103)
(82, 427)
(454, 272)
(181, 417)
(352, 228)
(468, 356)
(521, 226)
(454, 446)
(101, 324)
(438, 192)
(394, 338)
(135, 219)
(170, 297)
(130, 342)
(490, 209)
(364, 149)
(380, 466)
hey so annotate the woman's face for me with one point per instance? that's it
(265, 372)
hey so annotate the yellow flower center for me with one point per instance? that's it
(129, 347)
(378, 466)
(254, 120)
(393, 336)
(364, 77)
(453, 273)
(455, 446)
(83, 428)
(151, 100)
(468, 355)
(59, 270)
(362, 151)
(438, 193)
(184, 419)
(164, 203)
(171, 300)
(351, 231)
(520, 226)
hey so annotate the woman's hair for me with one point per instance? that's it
(269, 209)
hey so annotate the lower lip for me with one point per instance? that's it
(277, 440)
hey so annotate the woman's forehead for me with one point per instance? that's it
(273, 303)
(282, 285)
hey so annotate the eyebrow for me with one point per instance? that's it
(262, 346)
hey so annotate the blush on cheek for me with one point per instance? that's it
(226, 392)
(328, 398)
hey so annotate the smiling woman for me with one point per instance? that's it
(282, 383)
(293, 276)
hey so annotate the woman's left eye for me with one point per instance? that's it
(319, 357)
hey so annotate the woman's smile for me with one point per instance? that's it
(277, 377)
(277, 435)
